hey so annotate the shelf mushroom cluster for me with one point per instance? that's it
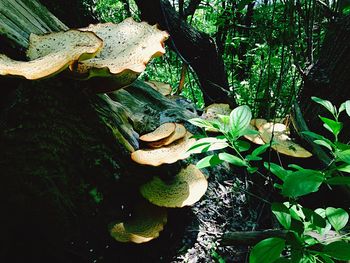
(278, 133)
(116, 53)
(168, 144)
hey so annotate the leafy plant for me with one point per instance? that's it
(312, 235)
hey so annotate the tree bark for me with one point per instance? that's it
(329, 78)
(58, 144)
(196, 49)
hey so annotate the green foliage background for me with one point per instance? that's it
(264, 44)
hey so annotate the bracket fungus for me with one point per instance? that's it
(255, 138)
(161, 87)
(178, 133)
(278, 133)
(163, 131)
(212, 111)
(52, 53)
(144, 224)
(165, 155)
(185, 189)
(128, 46)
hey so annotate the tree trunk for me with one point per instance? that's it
(194, 47)
(58, 145)
(329, 78)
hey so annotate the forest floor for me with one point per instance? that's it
(225, 207)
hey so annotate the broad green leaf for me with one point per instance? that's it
(239, 120)
(282, 214)
(232, 159)
(339, 180)
(342, 146)
(295, 166)
(296, 211)
(242, 145)
(317, 137)
(200, 123)
(344, 156)
(331, 125)
(314, 218)
(207, 144)
(261, 149)
(324, 144)
(250, 157)
(344, 168)
(302, 182)
(277, 170)
(339, 250)
(209, 161)
(267, 250)
(325, 103)
(338, 217)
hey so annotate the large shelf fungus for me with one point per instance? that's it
(128, 47)
(52, 53)
(165, 155)
(163, 131)
(179, 132)
(185, 189)
(282, 143)
(145, 223)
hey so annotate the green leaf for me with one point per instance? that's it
(302, 182)
(261, 149)
(337, 217)
(338, 180)
(242, 145)
(239, 120)
(324, 144)
(207, 144)
(344, 168)
(331, 125)
(314, 218)
(267, 250)
(344, 156)
(277, 170)
(295, 166)
(209, 161)
(232, 159)
(282, 214)
(339, 250)
(325, 103)
(200, 123)
(250, 157)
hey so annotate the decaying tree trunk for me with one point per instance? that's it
(57, 144)
(195, 48)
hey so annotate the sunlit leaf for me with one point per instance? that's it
(267, 250)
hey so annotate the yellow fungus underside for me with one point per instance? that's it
(185, 189)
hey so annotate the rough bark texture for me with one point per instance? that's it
(196, 48)
(329, 78)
